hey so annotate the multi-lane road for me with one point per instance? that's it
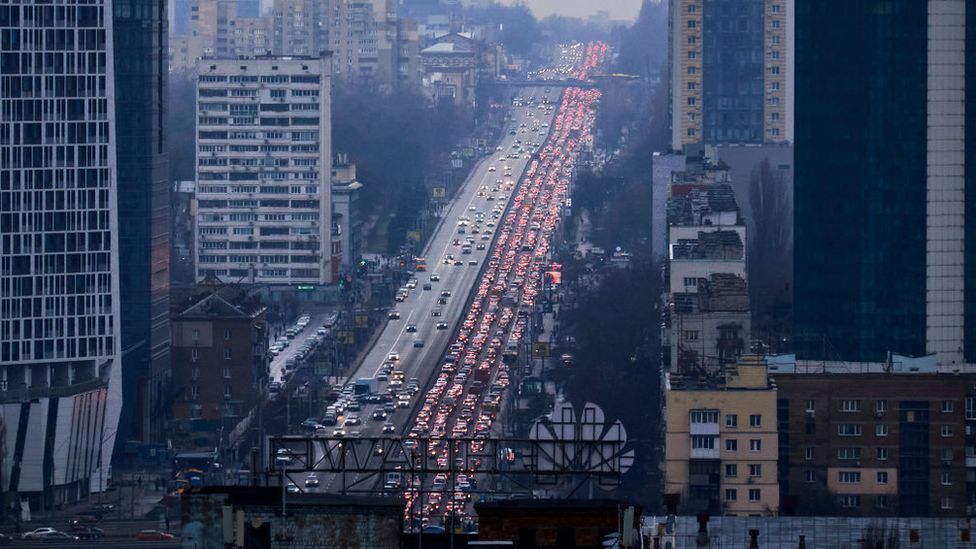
(418, 309)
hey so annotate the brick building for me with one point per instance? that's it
(888, 444)
(220, 363)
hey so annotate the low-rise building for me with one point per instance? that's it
(346, 216)
(220, 362)
(222, 516)
(450, 68)
(877, 444)
(721, 441)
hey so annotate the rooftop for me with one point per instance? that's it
(720, 292)
(717, 245)
(691, 203)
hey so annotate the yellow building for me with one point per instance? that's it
(721, 441)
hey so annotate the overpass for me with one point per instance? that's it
(593, 82)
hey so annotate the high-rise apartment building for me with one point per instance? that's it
(885, 181)
(264, 170)
(730, 71)
(369, 43)
(221, 29)
(140, 43)
(60, 370)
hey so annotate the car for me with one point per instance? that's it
(353, 406)
(339, 432)
(86, 532)
(310, 424)
(153, 535)
(411, 328)
(435, 312)
(473, 262)
(491, 168)
(458, 263)
(434, 277)
(37, 533)
(379, 415)
(393, 315)
(417, 343)
(283, 456)
(427, 286)
(446, 293)
(389, 427)
(393, 356)
(389, 407)
(311, 480)
(441, 325)
(442, 301)
(292, 488)
(480, 246)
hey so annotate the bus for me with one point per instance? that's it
(421, 263)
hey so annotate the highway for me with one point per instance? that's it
(475, 196)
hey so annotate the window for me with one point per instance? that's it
(881, 430)
(811, 406)
(849, 501)
(690, 335)
(946, 502)
(775, 8)
(691, 85)
(692, 23)
(881, 406)
(731, 420)
(755, 420)
(849, 477)
(195, 335)
(730, 494)
(692, 8)
(691, 100)
(702, 442)
(691, 281)
(755, 445)
(881, 501)
(194, 354)
(227, 334)
(754, 494)
(691, 54)
(850, 405)
(882, 477)
(946, 431)
(849, 453)
(194, 392)
(970, 407)
(849, 429)
(808, 453)
(692, 69)
(810, 427)
(731, 445)
(881, 454)
(227, 390)
(755, 469)
(226, 353)
(195, 372)
(226, 372)
(692, 39)
(731, 470)
(776, 24)
(704, 416)
(811, 475)
(946, 478)
(947, 454)
(947, 406)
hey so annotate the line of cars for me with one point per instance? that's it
(82, 532)
(467, 392)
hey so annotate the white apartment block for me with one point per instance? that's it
(264, 170)
(60, 371)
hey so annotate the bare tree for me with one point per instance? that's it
(770, 255)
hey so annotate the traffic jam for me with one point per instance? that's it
(466, 395)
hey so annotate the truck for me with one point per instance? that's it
(364, 386)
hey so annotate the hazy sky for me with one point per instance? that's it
(618, 9)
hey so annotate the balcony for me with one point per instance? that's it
(704, 429)
(704, 453)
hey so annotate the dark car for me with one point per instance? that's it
(153, 535)
(86, 532)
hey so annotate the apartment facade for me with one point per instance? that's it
(720, 443)
(877, 444)
(264, 171)
(60, 352)
(730, 71)
(220, 350)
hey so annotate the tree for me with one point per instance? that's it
(770, 254)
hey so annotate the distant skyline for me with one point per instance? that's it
(618, 9)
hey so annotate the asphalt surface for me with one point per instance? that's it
(419, 306)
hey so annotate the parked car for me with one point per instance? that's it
(86, 532)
